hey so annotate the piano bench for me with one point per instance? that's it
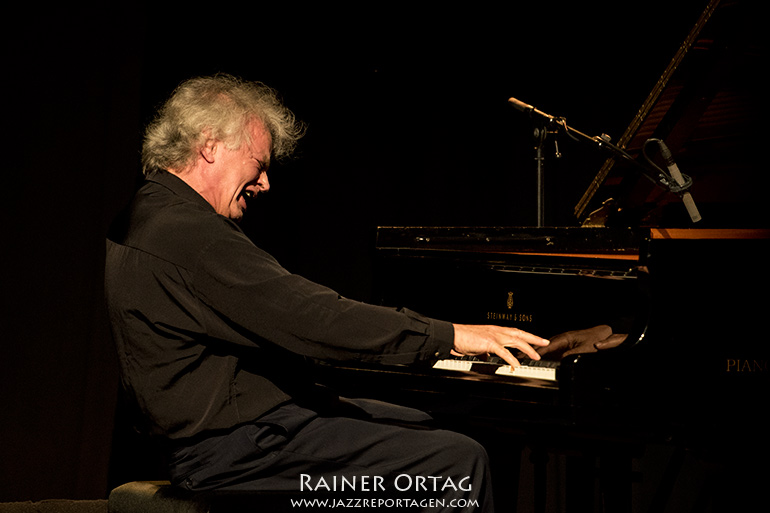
(161, 497)
(153, 497)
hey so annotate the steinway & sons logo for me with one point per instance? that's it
(509, 314)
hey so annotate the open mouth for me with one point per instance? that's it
(245, 198)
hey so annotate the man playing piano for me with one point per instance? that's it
(211, 330)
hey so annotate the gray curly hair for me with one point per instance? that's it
(219, 107)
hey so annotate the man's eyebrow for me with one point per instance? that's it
(262, 163)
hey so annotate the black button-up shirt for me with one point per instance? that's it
(211, 330)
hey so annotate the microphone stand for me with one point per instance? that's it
(543, 120)
(540, 134)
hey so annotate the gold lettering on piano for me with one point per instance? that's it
(510, 316)
(739, 365)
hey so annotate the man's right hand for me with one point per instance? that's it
(474, 340)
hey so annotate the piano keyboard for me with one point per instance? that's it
(533, 369)
(539, 369)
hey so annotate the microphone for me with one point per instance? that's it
(673, 169)
(519, 105)
(528, 109)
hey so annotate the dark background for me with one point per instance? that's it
(408, 124)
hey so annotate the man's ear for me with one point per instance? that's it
(208, 150)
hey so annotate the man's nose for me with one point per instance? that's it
(263, 183)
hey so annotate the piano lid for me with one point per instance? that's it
(706, 109)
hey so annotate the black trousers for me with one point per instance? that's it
(367, 451)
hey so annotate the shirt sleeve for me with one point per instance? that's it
(253, 300)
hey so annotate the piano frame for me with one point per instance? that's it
(605, 408)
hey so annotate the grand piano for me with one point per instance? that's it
(690, 295)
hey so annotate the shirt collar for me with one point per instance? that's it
(178, 187)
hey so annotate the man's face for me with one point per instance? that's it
(239, 175)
